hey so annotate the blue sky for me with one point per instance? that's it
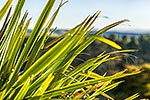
(137, 11)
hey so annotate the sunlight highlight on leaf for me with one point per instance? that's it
(108, 42)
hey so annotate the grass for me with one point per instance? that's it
(38, 70)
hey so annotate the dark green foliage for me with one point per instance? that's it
(141, 44)
(40, 71)
(141, 56)
(138, 83)
(133, 84)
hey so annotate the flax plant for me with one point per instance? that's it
(40, 70)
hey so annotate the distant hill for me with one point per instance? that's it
(106, 34)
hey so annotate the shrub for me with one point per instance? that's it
(137, 83)
(43, 71)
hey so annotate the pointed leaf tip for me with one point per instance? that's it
(108, 42)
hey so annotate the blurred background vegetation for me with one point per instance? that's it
(140, 59)
(18, 64)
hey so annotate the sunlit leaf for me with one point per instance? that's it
(108, 42)
(133, 97)
(5, 8)
(32, 67)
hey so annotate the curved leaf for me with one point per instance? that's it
(108, 42)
